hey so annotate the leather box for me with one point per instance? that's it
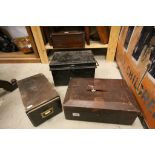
(67, 39)
(40, 99)
(100, 100)
(68, 64)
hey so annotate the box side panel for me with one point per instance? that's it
(100, 115)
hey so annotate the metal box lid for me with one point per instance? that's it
(36, 90)
(112, 94)
(73, 59)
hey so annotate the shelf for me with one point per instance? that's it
(15, 57)
(96, 44)
(111, 46)
(93, 44)
(17, 54)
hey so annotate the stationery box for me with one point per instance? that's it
(100, 100)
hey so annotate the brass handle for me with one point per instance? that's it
(47, 112)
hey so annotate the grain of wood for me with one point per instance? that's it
(93, 44)
(39, 43)
(134, 39)
(114, 34)
(20, 60)
(28, 29)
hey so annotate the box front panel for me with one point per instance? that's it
(68, 41)
(62, 77)
(87, 73)
(44, 112)
(100, 115)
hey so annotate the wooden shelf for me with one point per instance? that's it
(111, 46)
(14, 57)
(19, 56)
(93, 44)
(96, 44)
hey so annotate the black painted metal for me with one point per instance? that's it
(69, 64)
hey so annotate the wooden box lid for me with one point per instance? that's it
(36, 90)
(112, 94)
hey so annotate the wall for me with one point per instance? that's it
(16, 31)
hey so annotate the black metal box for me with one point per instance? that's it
(40, 99)
(67, 64)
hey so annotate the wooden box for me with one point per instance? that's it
(100, 100)
(68, 39)
(40, 99)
